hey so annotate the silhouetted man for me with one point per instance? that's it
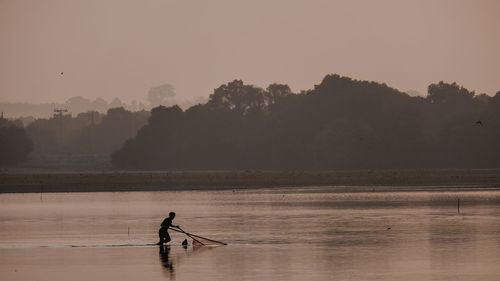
(163, 232)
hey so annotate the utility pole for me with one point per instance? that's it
(91, 131)
(2, 121)
(58, 112)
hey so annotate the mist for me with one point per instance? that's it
(109, 49)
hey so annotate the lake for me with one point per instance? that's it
(314, 233)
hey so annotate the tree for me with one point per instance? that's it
(238, 97)
(159, 95)
(276, 92)
(15, 145)
(342, 123)
(448, 93)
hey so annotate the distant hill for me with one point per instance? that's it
(74, 105)
(77, 105)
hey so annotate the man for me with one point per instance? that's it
(163, 232)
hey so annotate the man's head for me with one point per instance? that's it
(171, 215)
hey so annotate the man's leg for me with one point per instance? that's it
(161, 235)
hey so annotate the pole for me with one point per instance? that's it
(192, 235)
(188, 234)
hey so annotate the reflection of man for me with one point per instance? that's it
(163, 232)
(164, 253)
(166, 263)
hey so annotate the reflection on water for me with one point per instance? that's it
(166, 262)
(273, 234)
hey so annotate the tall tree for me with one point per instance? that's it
(15, 145)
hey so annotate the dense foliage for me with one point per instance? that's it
(340, 124)
(86, 133)
(15, 145)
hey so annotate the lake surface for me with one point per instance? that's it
(315, 233)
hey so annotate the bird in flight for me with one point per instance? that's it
(479, 122)
(62, 72)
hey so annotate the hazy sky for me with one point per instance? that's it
(121, 48)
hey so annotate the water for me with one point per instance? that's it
(273, 234)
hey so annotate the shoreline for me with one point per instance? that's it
(30, 182)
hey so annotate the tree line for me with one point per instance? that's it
(15, 144)
(159, 95)
(88, 133)
(341, 123)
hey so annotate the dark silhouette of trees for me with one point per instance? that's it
(276, 92)
(340, 124)
(88, 133)
(237, 97)
(15, 145)
(448, 93)
(110, 133)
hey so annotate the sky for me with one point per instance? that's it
(122, 48)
